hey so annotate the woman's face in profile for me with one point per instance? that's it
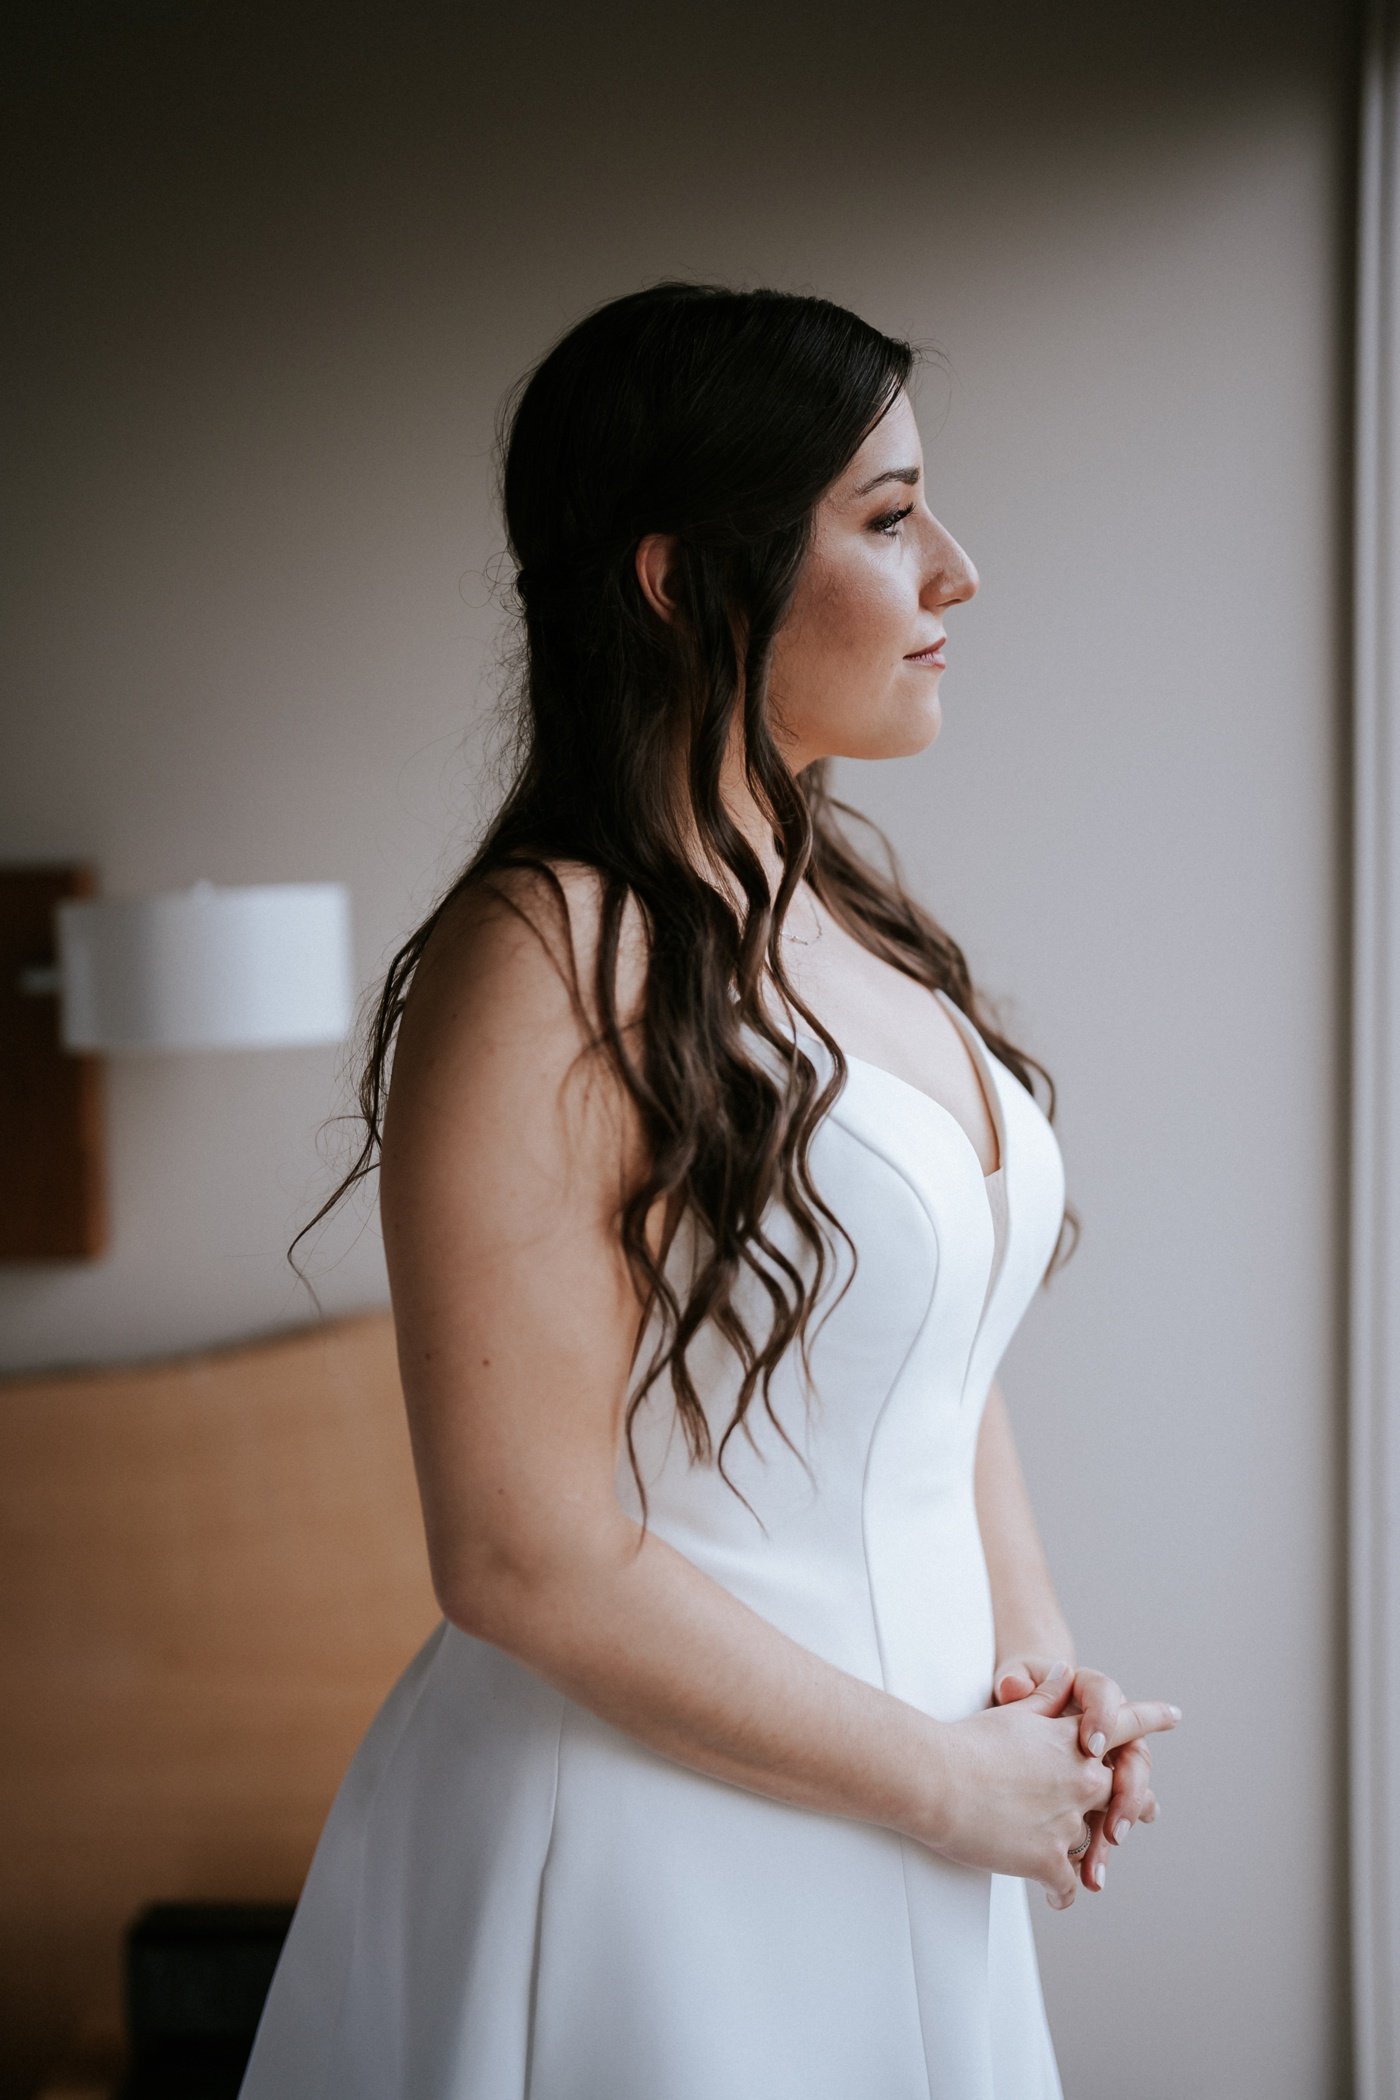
(880, 574)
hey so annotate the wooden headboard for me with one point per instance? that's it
(212, 1569)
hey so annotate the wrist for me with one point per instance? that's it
(930, 1817)
(1049, 1637)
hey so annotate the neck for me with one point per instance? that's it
(748, 817)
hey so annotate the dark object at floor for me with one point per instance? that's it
(196, 1977)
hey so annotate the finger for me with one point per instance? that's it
(1059, 1894)
(1054, 1688)
(1150, 1810)
(1100, 1697)
(1014, 1683)
(1093, 1867)
(1027, 1672)
(1142, 1717)
(1132, 1768)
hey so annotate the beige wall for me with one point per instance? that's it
(274, 282)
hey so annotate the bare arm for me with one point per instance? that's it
(516, 1319)
(1026, 1610)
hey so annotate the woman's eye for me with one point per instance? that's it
(890, 520)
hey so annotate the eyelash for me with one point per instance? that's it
(891, 518)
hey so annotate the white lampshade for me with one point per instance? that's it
(207, 968)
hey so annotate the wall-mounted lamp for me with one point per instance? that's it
(207, 968)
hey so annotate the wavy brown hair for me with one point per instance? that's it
(719, 416)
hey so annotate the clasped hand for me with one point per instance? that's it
(1105, 1716)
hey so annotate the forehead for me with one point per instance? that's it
(892, 449)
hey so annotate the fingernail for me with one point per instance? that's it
(1175, 1712)
(1100, 1875)
(1098, 1743)
(1121, 1828)
(1060, 1670)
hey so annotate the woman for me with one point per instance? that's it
(750, 1715)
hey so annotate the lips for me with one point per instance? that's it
(932, 655)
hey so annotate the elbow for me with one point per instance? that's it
(525, 1602)
(483, 1598)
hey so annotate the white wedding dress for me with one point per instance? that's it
(512, 1899)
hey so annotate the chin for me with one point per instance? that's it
(905, 742)
(921, 729)
(902, 733)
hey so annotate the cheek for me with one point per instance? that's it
(859, 620)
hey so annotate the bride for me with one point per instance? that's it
(711, 1198)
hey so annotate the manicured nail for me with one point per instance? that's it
(1060, 1670)
(1175, 1712)
(1121, 1828)
(1100, 1875)
(1098, 1743)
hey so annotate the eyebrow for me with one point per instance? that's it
(909, 474)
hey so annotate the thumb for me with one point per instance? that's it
(1054, 1688)
(1014, 1683)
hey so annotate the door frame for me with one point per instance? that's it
(1373, 1381)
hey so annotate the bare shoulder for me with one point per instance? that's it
(503, 937)
(494, 1051)
(507, 1144)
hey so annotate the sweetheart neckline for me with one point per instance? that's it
(938, 1107)
(979, 1054)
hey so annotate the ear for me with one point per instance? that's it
(655, 558)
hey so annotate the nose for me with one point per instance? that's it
(953, 576)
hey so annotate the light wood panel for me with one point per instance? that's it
(212, 1569)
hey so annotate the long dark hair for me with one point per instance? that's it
(721, 416)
